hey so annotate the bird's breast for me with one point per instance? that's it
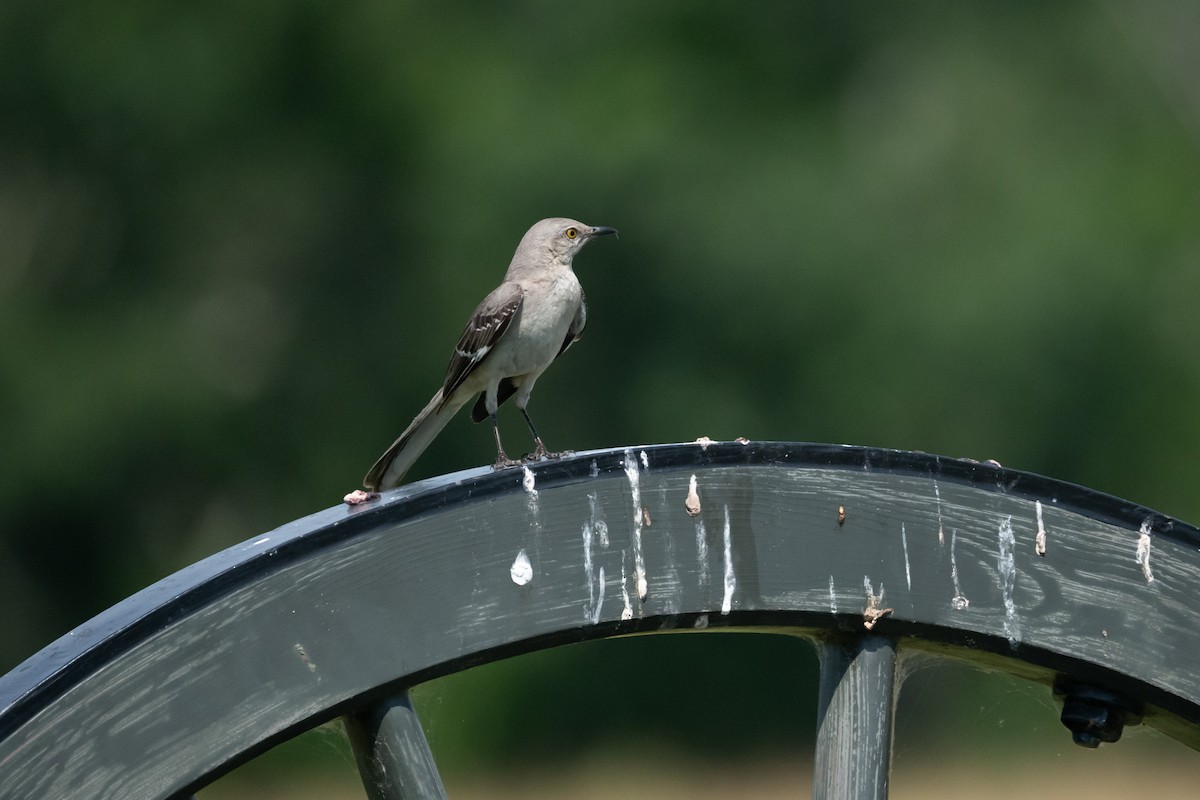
(538, 332)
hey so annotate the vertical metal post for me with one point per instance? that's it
(393, 756)
(854, 719)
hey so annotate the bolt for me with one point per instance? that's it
(1093, 714)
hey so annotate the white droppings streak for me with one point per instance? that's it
(590, 610)
(832, 597)
(1039, 544)
(595, 469)
(635, 491)
(692, 504)
(599, 526)
(1006, 565)
(263, 540)
(937, 494)
(521, 570)
(959, 601)
(702, 553)
(907, 571)
(645, 460)
(600, 599)
(627, 611)
(529, 483)
(730, 580)
(1143, 551)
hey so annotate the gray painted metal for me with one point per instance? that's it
(855, 719)
(336, 611)
(393, 755)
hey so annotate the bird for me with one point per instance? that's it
(515, 333)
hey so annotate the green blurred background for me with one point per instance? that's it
(237, 241)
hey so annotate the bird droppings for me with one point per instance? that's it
(521, 570)
(692, 504)
(742, 440)
(873, 611)
(937, 495)
(358, 497)
(627, 609)
(646, 516)
(832, 597)
(1006, 565)
(841, 515)
(872, 615)
(588, 567)
(599, 525)
(600, 599)
(959, 602)
(1039, 543)
(1143, 551)
(702, 554)
(704, 442)
(258, 542)
(639, 559)
(904, 543)
(635, 490)
(528, 481)
(701, 622)
(594, 470)
(304, 659)
(645, 459)
(730, 580)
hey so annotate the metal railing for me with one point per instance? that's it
(870, 554)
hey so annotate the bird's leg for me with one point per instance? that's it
(540, 451)
(502, 460)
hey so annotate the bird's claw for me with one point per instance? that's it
(504, 462)
(541, 453)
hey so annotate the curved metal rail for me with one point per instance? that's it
(867, 552)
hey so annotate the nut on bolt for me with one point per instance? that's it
(1094, 714)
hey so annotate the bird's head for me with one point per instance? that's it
(562, 237)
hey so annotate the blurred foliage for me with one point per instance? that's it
(238, 240)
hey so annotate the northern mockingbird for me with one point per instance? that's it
(531, 318)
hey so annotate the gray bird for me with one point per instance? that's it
(524, 324)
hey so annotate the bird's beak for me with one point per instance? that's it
(602, 230)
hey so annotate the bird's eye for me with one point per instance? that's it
(572, 233)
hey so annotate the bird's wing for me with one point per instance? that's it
(577, 324)
(507, 388)
(488, 324)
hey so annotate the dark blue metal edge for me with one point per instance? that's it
(49, 673)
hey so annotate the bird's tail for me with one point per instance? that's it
(390, 468)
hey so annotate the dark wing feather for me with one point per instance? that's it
(505, 390)
(488, 324)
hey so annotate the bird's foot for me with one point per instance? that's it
(504, 462)
(540, 452)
